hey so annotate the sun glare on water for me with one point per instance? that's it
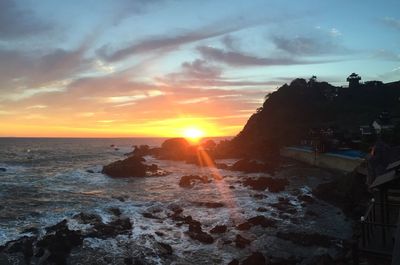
(193, 134)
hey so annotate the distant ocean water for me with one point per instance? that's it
(49, 179)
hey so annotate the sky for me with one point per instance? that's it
(149, 68)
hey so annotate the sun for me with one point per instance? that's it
(193, 134)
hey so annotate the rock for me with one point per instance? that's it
(23, 245)
(189, 180)
(255, 258)
(273, 185)
(59, 244)
(222, 166)
(261, 209)
(312, 213)
(130, 167)
(195, 231)
(258, 220)
(234, 262)
(210, 204)
(248, 166)
(306, 198)
(87, 218)
(200, 158)
(150, 216)
(219, 229)
(174, 149)
(115, 211)
(3, 169)
(90, 171)
(241, 242)
(112, 229)
(33, 230)
(158, 233)
(166, 248)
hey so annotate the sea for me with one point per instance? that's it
(46, 180)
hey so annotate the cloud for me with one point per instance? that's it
(386, 55)
(19, 22)
(392, 22)
(308, 45)
(171, 42)
(240, 59)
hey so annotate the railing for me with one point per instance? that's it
(377, 228)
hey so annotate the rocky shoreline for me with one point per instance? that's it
(290, 223)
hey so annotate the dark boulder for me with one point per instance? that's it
(234, 262)
(195, 231)
(88, 218)
(174, 149)
(112, 229)
(210, 204)
(189, 180)
(218, 229)
(258, 220)
(165, 248)
(22, 245)
(241, 242)
(248, 166)
(262, 183)
(115, 211)
(59, 244)
(255, 258)
(2, 169)
(130, 167)
(307, 239)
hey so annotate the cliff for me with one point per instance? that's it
(289, 113)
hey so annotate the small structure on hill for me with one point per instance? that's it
(354, 80)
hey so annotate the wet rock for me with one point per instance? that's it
(312, 213)
(88, 218)
(258, 220)
(222, 166)
(195, 231)
(23, 245)
(200, 158)
(307, 239)
(174, 149)
(248, 166)
(90, 171)
(261, 209)
(115, 211)
(3, 169)
(158, 233)
(33, 230)
(150, 216)
(241, 242)
(190, 180)
(262, 183)
(232, 187)
(210, 204)
(256, 258)
(165, 248)
(112, 229)
(218, 229)
(306, 198)
(234, 262)
(130, 167)
(59, 245)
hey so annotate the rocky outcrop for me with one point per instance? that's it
(262, 183)
(258, 220)
(256, 258)
(132, 166)
(190, 180)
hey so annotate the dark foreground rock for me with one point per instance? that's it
(219, 229)
(258, 220)
(2, 169)
(241, 242)
(262, 183)
(190, 180)
(130, 167)
(256, 258)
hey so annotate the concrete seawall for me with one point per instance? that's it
(324, 160)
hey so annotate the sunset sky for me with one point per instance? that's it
(159, 67)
